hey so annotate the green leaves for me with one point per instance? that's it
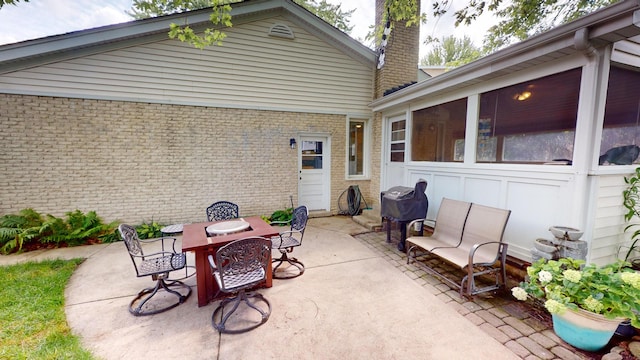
(149, 230)
(282, 216)
(631, 201)
(612, 290)
(220, 16)
(333, 14)
(451, 52)
(10, 2)
(29, 226)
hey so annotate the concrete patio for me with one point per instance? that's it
(356, 300)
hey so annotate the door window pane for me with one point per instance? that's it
(311, 154)
(397, 141)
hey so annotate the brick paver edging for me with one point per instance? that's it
(518, 326)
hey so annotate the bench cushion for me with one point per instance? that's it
(484, 225)
(449, 226)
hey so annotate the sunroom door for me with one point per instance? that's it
(395, 152)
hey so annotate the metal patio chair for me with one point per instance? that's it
(158, 265)
(222, 210)
(287, 240)
(238, 266)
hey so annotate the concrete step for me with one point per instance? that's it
(369, 218)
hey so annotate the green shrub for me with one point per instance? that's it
(113, 236)
(282, 216)
(29, 226)
(149, 230)
(16, 230)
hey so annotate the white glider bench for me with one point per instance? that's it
(469, 236)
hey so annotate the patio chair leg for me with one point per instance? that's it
(160, 283)
(291, 261)
(241, 297)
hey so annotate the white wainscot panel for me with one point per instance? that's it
(534, 208)
(482, 191)
(438, 186)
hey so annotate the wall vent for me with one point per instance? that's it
(281, 31)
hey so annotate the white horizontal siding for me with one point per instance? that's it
(609, 223)
(250, 70)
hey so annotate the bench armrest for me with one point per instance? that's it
(420, 221)
(502, 251)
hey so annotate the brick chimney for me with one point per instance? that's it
(401, 54)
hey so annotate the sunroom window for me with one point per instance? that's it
(530, 122)
(437, 132)
(621, 129)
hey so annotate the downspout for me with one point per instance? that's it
(586, 182)
(582, 43)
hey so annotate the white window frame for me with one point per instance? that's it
(366, 146)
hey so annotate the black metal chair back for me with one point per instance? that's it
(240, 265)
(132, 242)
(285, 243)
(299, 220)
(243, 263)
(222, 210)
(158, 265)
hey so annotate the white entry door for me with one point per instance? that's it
(314, 164)
(395, 139)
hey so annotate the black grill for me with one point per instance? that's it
(403, 204)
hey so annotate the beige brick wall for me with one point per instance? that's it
(401, 54)
(400, 67)
(137, 161)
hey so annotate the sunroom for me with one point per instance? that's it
(547, 128)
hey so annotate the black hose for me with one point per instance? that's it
(354, 196)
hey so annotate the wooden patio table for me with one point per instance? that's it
(195, 238)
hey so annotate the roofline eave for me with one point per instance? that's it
(603, 26)
(129, 33)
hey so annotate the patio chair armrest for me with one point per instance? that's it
(156, 254)
(290, 232)
(152, 240)
(212, 263)
(162, 239)
(280, 223)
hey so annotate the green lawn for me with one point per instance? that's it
(32, 318)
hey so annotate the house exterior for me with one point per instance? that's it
(138, 127)
(124, 121)
(529, 128)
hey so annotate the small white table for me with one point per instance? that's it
(172, 230)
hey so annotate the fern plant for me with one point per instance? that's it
(77, 229)
(29, 225)
(16, 230)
